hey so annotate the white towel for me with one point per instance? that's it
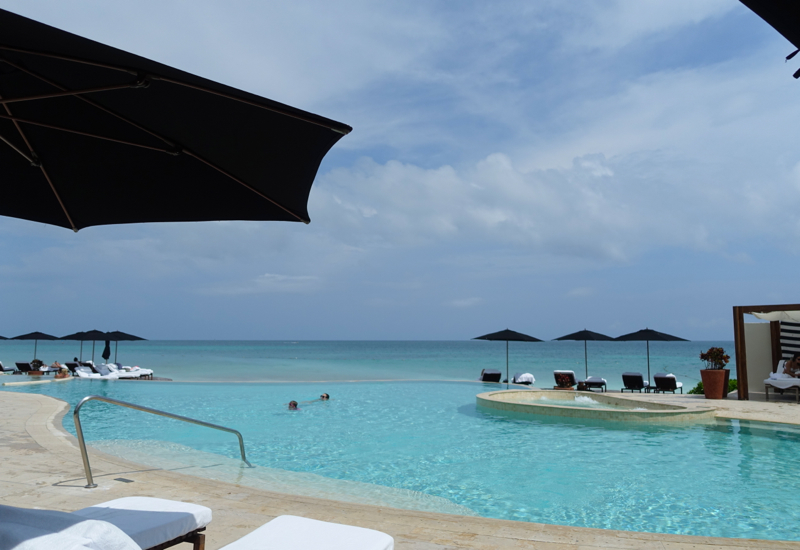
(25, 529)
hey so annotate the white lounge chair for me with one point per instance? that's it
(780, 382)
(95, 373)
(296, 533)
(123, 374)
(523, 378)
(131, 523)
(152, 522)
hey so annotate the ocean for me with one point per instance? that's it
(300, 360)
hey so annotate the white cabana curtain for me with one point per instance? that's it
(789, 316)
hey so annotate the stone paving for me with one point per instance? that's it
(42, 468)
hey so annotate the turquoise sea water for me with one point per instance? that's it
(433, 448)
(191, 361)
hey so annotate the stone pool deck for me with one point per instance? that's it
(42, 468)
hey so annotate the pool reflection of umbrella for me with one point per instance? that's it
(649, 335)
(119, 336)
(35, 336)
(586, 335)
(508, 336)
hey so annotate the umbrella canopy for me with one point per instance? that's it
(118, 336)
(508, 336)
(649, 335)
(782, 15)
(93, 135)
(586, 335)
(35, 336)
(87, 336)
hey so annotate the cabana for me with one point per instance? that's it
(759, 346)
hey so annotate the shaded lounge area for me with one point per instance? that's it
(760, 346)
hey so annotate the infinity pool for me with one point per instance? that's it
(725, 478)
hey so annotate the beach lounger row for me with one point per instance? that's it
(145, 523)
(566, 380)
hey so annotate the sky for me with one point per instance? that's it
(538, 165)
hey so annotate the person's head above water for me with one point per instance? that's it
(292, 405)
(324, 396)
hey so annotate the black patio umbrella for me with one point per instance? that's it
(93, 135)
(106, 351)
(508, 336)
(119, 336)
(35, 336)
(86, 336)
(586, 335)
(649, 335)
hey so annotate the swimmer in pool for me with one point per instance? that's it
(293, 406)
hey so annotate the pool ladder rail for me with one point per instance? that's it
(90, 484)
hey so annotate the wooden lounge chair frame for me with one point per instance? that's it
(196, 538)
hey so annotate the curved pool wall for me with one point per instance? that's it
(574, 404)
(725, 478)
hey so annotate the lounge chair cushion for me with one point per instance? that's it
(150, 521)
(523, 378)
(26, 529)
(296, 533)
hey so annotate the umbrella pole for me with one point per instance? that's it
(35, 343)
(648, 361)
(506, 364)
(648, 371)
(81, 350)
(586, 358)
(116, 347)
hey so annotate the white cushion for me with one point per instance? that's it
(150, 521)
(296, 533)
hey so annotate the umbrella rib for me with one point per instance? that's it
(237, 180)
(341, 130)
(69, 93)
(87, 134)
(90, 102)
(36, 162)
(17, 149)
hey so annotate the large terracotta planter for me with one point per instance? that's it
(715, 383)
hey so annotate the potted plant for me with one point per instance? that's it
(715, 376)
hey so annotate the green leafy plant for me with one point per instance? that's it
(715, 358)
(733, 385)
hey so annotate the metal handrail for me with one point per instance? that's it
(76, 417)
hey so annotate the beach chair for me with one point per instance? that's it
(128, 523)
(24, 367)
(490, 375)
(596, 382)
(72, 366)
(7, 369)
(666, 383)
(565, 379)
(780, 382)
(634, 381)
(523, 378)
(299, 533)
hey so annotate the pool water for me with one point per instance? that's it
(583, 401)
(726, 479)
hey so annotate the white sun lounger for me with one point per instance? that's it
(153, 522)
(296, 533)
(130, 523)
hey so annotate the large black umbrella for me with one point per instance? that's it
(586, 335)
(508, 336)
(783, 16)
(93, 135)
(649, 335)
(35, 336)
(119, 336)
(86, 336)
